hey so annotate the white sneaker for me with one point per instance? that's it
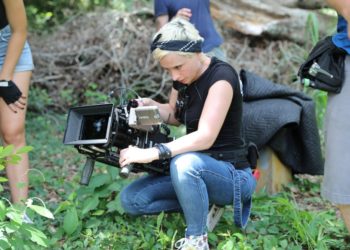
(193, 243)
(214, 216)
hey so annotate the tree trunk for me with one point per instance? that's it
(276, 19)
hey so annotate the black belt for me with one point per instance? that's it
(237, 157)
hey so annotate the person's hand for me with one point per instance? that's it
(143, 102)
(184, 13)
(20, 104)
(134, 154)
(12, 95)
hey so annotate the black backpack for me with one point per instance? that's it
(324, 67)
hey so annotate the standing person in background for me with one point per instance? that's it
(336, 184)
(16, 67)
(198, 13)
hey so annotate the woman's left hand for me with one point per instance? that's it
(134, 154)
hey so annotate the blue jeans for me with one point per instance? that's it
(196, 180)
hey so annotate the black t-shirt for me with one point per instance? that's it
(3, 18)
(230, 136)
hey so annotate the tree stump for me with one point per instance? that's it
(273, 173)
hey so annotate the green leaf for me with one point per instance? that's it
(15, 216)
(118, 205)
(70, 222)
(63, 206)
(228, 245)
(98, 212)
(11, 228)
(37, 236)
(24, 149)
(6, 151)
(113, 172)
(113, 206)
(72, 196)
(159, 220)
(3, 179)
(13, 159)
(2, 167)
(90, 204)
(2, 210)
(43, 211)
(99, 180)
(4, 244)
(115, 186)
(284, 243)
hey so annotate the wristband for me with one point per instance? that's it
(164, 152)
(9, 91)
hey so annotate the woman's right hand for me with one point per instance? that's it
(185, 13)
(12, 95)
(143, 102)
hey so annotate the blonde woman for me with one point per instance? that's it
(209, 164)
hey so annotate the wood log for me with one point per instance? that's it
(273, 173)
(268, 18)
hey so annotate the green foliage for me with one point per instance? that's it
(92, 94)
(319, 96)
(91, 217)
(39, 99)
(15, 233)
(313, 28)
(44, 15)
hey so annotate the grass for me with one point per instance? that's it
(91, 217)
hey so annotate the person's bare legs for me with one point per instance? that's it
(12, 128)
(345, 212)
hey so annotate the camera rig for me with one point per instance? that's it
(101, 131)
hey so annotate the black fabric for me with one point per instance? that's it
(324, 67)
(9, 91)
(284, 119)
(177, 45)
(3, 17)
(230, 136)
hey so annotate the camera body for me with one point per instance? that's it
(101, 131)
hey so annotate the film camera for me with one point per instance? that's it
(100, 131)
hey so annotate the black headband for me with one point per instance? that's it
(177, 45)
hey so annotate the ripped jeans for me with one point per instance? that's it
(196, 180)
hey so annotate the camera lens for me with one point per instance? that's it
(94, 127)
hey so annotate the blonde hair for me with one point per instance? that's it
(176, 29)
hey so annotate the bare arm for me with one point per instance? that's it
(343, 8)
(209, 126)
(167, 110)
(183, 13)
(161, 21)
(16, 16)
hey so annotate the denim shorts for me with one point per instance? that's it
(25, 62)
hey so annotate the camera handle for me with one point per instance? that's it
(125, 171)
(87, 171)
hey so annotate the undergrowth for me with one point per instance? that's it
(91, 217)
